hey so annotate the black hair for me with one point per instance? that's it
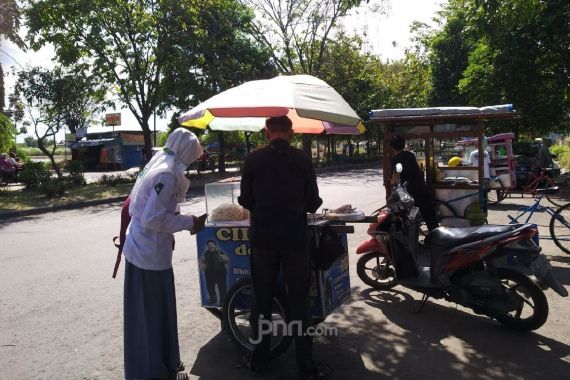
(279, 124)
(208, 242)
(397, 142)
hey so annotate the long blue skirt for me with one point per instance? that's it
(150, 324)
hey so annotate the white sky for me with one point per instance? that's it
(382, 32)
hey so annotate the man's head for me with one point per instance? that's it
(211, 245)
(547, 142)
(279, 127)
(397, 143)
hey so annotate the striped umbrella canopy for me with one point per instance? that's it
(312, 105)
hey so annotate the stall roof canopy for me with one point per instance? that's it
(442, 113)
(101, 129)
(90, 143)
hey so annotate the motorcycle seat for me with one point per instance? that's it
(446, 237)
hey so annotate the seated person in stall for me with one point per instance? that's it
(543, 158)
(412, 174)
(474, 159)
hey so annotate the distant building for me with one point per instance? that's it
(108, 148)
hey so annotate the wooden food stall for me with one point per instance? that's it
(433, 133)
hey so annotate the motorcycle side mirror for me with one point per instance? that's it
(399, 167)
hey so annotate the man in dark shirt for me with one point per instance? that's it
(214, 264)
(279, 187)
(414, 177)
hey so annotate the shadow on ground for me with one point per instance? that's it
(442, 342)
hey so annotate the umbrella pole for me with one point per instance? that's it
(221, 156)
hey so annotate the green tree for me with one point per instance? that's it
(513, 51)
(50, 97)
(30, 142)
(448, 57)
(10, 21)
(7, 133)
(9, 26)
(145, 52)
(298, 32)
(36, 87)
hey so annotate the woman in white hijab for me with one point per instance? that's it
(150, 323)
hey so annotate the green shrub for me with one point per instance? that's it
(53, 186)
(562, 152)
(115, 180)
(76, 174)
(33, 174)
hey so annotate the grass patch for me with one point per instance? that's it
(15, 200)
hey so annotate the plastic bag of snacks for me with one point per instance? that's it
(228, 212)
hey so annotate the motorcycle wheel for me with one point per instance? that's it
(531, 309)
(376, 271)
(237, 319)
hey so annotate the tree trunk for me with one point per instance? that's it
(50, 155)
(147, 139)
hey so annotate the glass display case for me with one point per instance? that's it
(218, 194)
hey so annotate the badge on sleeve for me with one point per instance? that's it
(158, 187)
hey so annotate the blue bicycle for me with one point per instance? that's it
(559, 222)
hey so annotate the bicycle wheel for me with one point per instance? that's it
(496, 191)
(560, 228)
(557, 199)
(239, 321)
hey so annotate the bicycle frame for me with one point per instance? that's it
(530, 211)
(532, 187)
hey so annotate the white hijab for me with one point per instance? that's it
(182, 148)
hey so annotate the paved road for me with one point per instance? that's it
(61, 313)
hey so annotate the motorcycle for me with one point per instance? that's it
(206, 162)
(495, 270)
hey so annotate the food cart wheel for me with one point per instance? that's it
(236, 317)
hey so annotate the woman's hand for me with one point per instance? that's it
(199, 222)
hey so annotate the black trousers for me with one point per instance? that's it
(296, 268)
(425, 205)
(213, 278)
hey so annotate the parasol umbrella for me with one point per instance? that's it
(312, 105)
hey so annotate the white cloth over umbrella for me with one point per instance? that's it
(312, 105)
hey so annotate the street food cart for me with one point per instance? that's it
(503, 161)
(460, 190)
(224, 268)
